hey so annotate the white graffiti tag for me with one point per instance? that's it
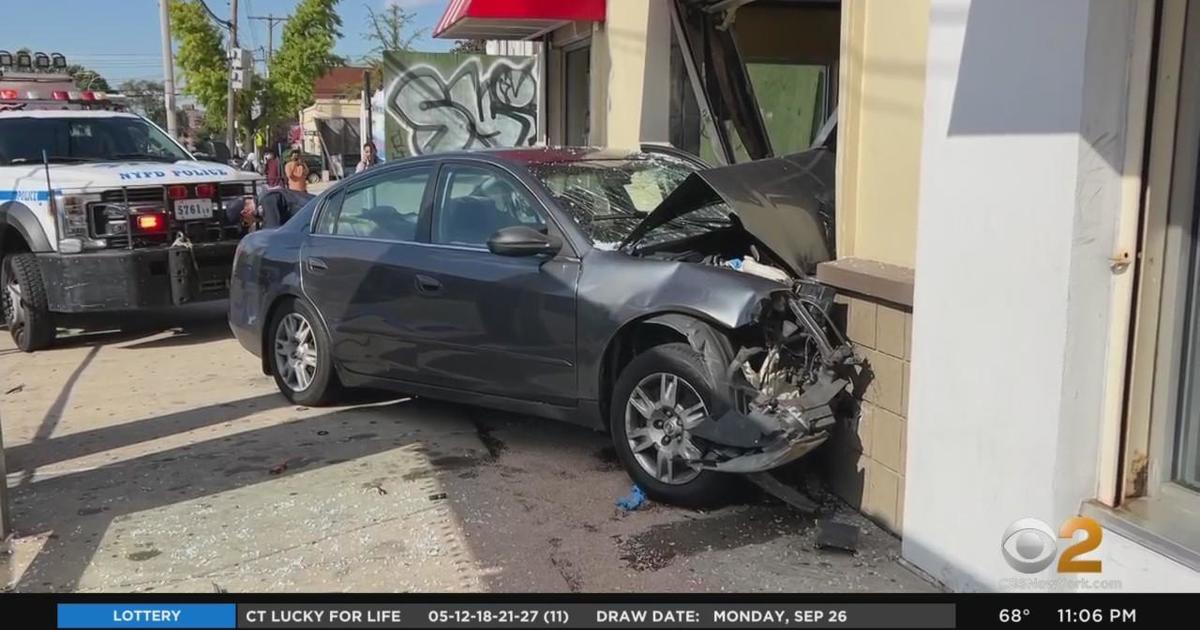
(473, 108)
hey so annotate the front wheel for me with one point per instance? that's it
(301, 356)
(26, 311)
(660, 397)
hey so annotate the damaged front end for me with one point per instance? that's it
(791, 379)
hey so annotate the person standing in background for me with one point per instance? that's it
(271, 168)
(369, 158)
(297, 173)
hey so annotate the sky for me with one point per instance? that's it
(121, 39)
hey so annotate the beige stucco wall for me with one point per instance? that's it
(631, 92)
(881, 111)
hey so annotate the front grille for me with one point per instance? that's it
(136, 195)
(236, 189)
(107, 218)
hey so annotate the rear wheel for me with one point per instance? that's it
(301, 356)
(660, 397)
(26, 311)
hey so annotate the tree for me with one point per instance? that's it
(200, 58)
(305, 53)
(389, 30)
(88, 79)
(470, 46)
(146, 97)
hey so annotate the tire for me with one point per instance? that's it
(26, 310)
(690, 487)
(295, 381)
(314, 178)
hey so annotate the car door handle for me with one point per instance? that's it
(318, 265)
(427, 285)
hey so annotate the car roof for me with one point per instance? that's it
(65, 113)
(546, 155)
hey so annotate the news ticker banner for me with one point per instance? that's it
(972, 611)
(566, 615)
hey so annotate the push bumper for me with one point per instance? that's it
(137, 278)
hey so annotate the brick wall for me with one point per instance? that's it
(865, 464)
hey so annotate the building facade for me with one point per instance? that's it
(1015, 242)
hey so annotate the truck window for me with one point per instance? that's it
(22, 140)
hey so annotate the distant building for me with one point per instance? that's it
(330, 126)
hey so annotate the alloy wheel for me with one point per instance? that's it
(14, 306)
(296, 352)
(660, 415)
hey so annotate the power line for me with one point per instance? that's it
(224, 23)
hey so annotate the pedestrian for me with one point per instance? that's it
(369, 158)
(297, 172)
(271, 168)
(251, 163)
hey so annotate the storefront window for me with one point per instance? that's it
(784, 61)
(1186, 465)
(577, 105)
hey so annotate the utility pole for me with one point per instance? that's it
(271, 21)
(230, 137)
(168, 69)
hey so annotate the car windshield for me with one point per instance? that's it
(22, 140)
(608, 198)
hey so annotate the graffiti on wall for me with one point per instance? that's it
(448, 102)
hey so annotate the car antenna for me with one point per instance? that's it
(49, 190)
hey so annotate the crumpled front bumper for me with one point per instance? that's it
(785, 452)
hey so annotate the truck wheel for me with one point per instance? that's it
(26, 312)
(302, 356)
(658, 399)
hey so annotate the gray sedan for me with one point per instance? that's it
(632, 292)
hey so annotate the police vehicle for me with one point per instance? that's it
(100, 210)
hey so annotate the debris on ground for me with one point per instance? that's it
(437, 496)
(633, 500)
(832, 534)
(278, 470)
(16, 390)
(789, 495)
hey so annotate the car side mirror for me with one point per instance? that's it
(522, 240)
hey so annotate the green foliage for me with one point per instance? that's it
(200, 57)
(146, 98)
(88, 79)
(305, 54)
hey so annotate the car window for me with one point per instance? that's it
(477, 201)
(384, 208)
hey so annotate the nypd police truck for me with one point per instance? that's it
(101, 210)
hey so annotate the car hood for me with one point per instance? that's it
(785, 203)
(97, 176)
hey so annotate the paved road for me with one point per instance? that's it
(149, 453)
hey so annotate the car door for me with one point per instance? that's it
(358, 268)
(488, 323)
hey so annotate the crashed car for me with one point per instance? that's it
(633, 292)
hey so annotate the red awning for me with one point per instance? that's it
(513, 19)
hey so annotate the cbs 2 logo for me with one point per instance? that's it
(1029, 545)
